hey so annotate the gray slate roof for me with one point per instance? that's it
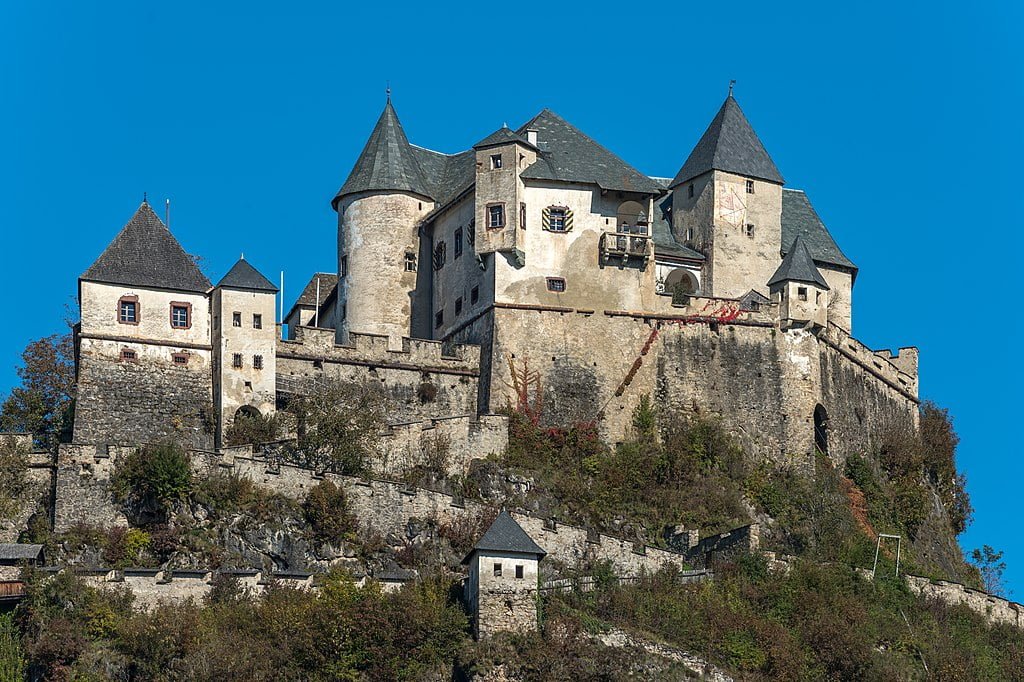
(665, 243)
(244, 276)
(799, 219)
(505, 535)
(328, 281)
(447, 175)
(568, 155)
(502, 135)
(729, 144)
(798, 266)
(19, 552)
(387, 162)
(146, 254)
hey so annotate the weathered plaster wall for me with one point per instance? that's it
(459, 274)
(840, 296)
(99, 312)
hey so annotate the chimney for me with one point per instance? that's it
(531, 137)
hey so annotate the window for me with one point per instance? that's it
(495, 161)
(344, 311)
(801, 293)
(458, 306)
(257, 321)
(522, 216)
(236, 360)
(236, 319)
(179, 358)
(410, 261)
(474, 295)
(440, 254)
(496, 215)
(128, 355)
(519, 571)
(438, 319)
(497, 570)
(128, 310)
(257, 362)
(749, 230)
(458, 242)
(689, 234)
(556, 284)
(181, 315)
(343, 266)
(750, 186)
(689, 191)
(556, 218)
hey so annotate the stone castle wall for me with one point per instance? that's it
(996, 610)
(38, 488)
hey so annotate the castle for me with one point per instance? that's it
(534, 265)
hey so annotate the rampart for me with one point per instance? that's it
(37, 490)
(996, 610)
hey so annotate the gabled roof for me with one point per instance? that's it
(244, 276)
(729, 144)
(387, 162)
(146, 254)
(568, 155)
(798, 266)
(20, 552)
(307, 299)
(502, 135)
(799, 219)
(505, 535)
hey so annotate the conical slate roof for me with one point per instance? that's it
(798, 266)
(729, 144)
(244, 276)
(502, 135)
(146, 254)
(505, 535)
(387, 162)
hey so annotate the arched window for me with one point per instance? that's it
(821, 430)
(680, 283)
(631, 218)
(247, 412)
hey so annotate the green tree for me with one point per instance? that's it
(44, 403)
(990, 565)
(152, 478)
(12, 659)
(338, 424)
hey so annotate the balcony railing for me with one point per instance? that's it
(625, 246)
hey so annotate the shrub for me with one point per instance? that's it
(327, 512)
(248, 429)
(123, 547)
(12, 658)
(152, 478)
(13, 475)
(338, 424)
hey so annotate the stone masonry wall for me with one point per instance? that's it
(82, 488)
(38, 489)
(995, 609)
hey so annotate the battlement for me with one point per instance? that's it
(898, 370)
(374, 349)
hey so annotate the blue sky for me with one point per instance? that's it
(901, 121)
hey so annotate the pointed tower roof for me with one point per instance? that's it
(387, 162)
(244, 276)
(729, 144)
(146, 254)
(502, 135)
(505, 535)
(798, 266)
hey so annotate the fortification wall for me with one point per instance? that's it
(82, 488)
(995, 609)
(37, 492)
(423, 380)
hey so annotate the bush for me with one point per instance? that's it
(338, 425)
(123, 547)
(13, 475)
(12, 658)
(327, 512)
(152, 478)
(252, 429)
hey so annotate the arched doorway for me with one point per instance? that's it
(821, 430)
(680, 283)
(246, 412)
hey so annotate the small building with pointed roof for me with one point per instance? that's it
(799, 288)
(501, 589)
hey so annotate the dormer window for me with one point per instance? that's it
(750, 186)
(181, 315)
(495, 161)
(128, 310)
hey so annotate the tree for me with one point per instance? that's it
(990, 565)
(43, 404)
(338, 424)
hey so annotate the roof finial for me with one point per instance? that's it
(242, 257)
(144, 199)
(732, 84)
(387, 90)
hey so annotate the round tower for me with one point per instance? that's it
(379, 208)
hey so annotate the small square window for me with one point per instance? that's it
(128, 310)
(497, 570)
(519, 571)
(750, 186)
(689, 191)
(438, 319)
(257, 321)
(257, 362)
(458, 242)
(236, 360)
(495, 161)
(458, 306)
(179, 358)
(236, 319)
(128, 355)
(474, 295)
(410, 261)
(556, 218)
(180, 315)
(556, 284)
(801, 293)
(496, 216)
(749, 230)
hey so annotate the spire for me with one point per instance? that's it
(729, 144)
(146, 254)
(387, 162)
(798, 266)
(505, 535)
(244, 276)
